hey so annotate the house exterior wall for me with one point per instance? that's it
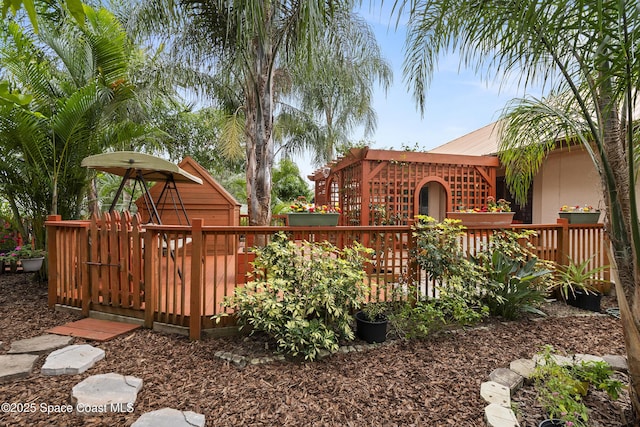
(567, 177)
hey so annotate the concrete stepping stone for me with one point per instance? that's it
(507, 378)
(14, 366)
(617, 363)
(106, 393)
(492, 392)
(169, 417)
(40, 345)
(523, 367)
(587, 358)
(72, 360)
(498, 416)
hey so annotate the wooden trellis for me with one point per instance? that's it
(383, 185)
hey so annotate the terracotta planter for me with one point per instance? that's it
(483, 219)
(31, 264)
(581, 217)
(307, 219)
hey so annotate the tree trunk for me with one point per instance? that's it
(259, 128)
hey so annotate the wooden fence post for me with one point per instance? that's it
(52, 239)
(83, 273)
(151, 242)
(562, 257)
(195, 303)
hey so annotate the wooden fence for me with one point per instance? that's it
(179, 275)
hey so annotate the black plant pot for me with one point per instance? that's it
(552, 423)
(371, 331)
(586, 301)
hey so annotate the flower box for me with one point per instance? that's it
(581, 217)
(483, 219)
(306, 219)
(29, 265)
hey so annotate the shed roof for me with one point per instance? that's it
(190, 165)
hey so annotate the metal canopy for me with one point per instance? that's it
(143, 168)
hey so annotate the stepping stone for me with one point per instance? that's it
(523, 367)
(40, 345)
(492, 392)
(617, 363)
(14, 366)
(507, 378)
(560, 360)
(587, 358)
(106, 393)
(169, 417)
(72, 360)
(498, 416)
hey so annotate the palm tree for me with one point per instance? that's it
(329, 102)
(585, 53)
(250, 44)
(76, 76)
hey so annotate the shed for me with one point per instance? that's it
(374, 187)
(209, 201)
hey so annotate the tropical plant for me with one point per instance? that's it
(515, 287)
(577, 276)
(75, 76)
(303, 296)
(584, 54)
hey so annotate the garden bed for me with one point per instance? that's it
(433, 382)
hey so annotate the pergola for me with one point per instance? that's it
(374, 187)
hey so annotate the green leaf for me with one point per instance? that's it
(9, 98)
(76, 9)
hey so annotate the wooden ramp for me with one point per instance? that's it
(94, 329)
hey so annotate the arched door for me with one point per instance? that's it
(433, 200)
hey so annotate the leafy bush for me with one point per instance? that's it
(304, 295)
(515, 287)
(561, 387)
(439, 251)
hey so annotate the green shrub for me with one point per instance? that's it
(304, 295)
(515, 287)
(426, 316)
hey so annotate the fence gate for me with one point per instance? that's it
(115, 264)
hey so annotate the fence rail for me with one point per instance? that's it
(179, 275)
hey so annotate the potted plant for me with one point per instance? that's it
(303, 214)
(580, 214)
(30, 259)
(579, 285)
(494, 214)
(371, 322)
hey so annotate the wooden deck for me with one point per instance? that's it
(180, 275)
(93, 329)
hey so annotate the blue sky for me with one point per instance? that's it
(457, 102)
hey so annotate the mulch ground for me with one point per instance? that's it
(435, 382)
